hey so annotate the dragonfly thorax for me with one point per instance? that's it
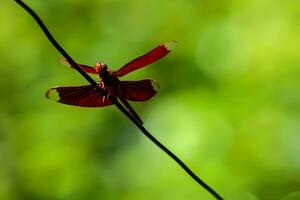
(107, 76)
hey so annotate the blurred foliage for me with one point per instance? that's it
(229, 103)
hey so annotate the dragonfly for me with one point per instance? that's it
(88, 96)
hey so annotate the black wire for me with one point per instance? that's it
(116, 102)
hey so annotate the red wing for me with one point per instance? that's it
(150, 57)
(86, 68)
(138, 90)
(85, 96)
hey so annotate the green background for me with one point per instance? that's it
(229, 103)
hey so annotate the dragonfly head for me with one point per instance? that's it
(101, 68)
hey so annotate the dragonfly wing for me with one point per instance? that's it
(150, 57)
(85, 96)
(138, 90)
(86, 68)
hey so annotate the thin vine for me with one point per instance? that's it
(116, 102)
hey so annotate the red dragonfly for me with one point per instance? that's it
(87, 96)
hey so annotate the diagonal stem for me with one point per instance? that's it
(116, 102)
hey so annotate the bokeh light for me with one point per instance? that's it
(229, 103)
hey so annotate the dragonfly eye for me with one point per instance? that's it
(100, 66)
